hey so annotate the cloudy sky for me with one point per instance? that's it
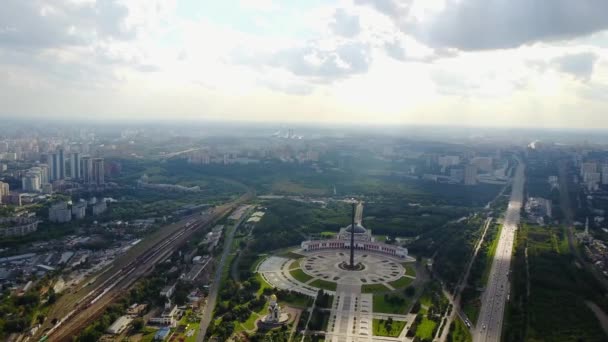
(465, 62)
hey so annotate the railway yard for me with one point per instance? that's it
(76, 310)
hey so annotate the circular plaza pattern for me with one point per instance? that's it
(316, 270)
(377, 268)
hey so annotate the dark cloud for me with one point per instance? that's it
(579, 65)
(344, 24)
(44, 24)
(497, 24)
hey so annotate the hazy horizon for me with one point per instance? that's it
(466, 63)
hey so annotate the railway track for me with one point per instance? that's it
(91, 306)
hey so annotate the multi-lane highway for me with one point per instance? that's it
(95, 301)
(489, 324)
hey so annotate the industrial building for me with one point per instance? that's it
(119, 325)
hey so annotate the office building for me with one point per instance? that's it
(470, 174)
(53, 161)
(87, 169)
(75, 165)
(98, 171)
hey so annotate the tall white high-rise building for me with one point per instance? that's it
(98, 171)
(61, 164)
(75, 171)
(87, 169)
(4, 190)
(44, 173)
(53, 160)
(31, 182)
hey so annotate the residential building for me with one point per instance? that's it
(75, 171)
(17, 226)
(87, 169)
(99, 208)
(470, 174)
(44, 174)
(98, 171)
(483, 163)
(60, 213)
(588, 167)
(30, 182)
(605, 175)
(61, 164)
(4, 190)
(79, 210)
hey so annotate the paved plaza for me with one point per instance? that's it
(352, 312)
(378, 268)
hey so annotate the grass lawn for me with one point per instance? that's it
(295, 264)
(383, 306)
(471, 309)
(401, 282)
(263, 284)
(324, 284)
(372, 288)
(410, 269)
(297, 300)
(148, 334)
(425, 299)
(299, 275)
(379, 326)
(249, 324)
(460, 332)
(425, 329)
(490, 256)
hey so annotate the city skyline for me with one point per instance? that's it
(471, 63)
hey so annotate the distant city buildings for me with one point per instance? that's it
(470, 174)
(484, 164)
(17, 226)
